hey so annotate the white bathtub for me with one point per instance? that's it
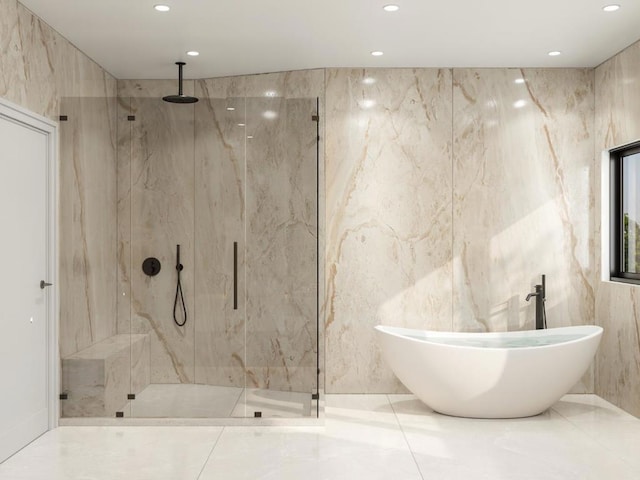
(490, 375)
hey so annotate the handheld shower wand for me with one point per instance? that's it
(179, 268)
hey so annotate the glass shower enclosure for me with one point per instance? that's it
(233, 184)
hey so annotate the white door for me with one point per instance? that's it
(24, 260)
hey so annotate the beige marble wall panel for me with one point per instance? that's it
(87, 219)
(294, 84)
(162, 196)
(39, 66)
(219, 222)
(282, 229)
(281, 245)
(617, 123)
(388, 214)
(124, 145)
(523, 204)
(153, 88)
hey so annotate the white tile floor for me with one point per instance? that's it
(364, 437)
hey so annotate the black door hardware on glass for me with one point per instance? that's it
(44, 284)
(179, 294)
(235, 275)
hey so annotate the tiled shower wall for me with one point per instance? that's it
(617, 305)
(43, 72)
(183, 179)
(448, 193)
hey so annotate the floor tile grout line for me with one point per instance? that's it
(243, 390)
(404, 435)
(593, 438)
(204, 465)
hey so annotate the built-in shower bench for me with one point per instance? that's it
(97, 380)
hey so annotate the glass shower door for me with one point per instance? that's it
(281, 257)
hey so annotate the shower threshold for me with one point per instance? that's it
(190, 404)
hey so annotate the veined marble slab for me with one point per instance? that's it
(617, 123)
(388, 215)
(98, 378)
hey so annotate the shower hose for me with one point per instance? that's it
(179, 293)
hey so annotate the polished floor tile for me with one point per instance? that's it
(363, 436)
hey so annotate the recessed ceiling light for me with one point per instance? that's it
(391, 8)
(230, 109)
(270, 93)
(162, 8)
(269, 114)
(241, 124)
(520, 103)
(377, 53)
(368, 80)
(249, 136)
(611, 8)
(519, 81)
(193, 53)
(554, 53)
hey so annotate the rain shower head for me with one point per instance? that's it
(180, 98)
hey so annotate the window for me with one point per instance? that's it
(625, 214)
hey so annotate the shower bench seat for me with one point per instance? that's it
(97, 380)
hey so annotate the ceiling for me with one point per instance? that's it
(132, 40)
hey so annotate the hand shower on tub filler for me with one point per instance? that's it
(179, 295)
(540, 294)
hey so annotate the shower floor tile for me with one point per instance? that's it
(364, 436)
(207, 401)
(185, 401)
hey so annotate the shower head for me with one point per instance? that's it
(180, 98)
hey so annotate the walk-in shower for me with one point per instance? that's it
(232, 181)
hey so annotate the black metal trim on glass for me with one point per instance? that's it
(317, 250)
(616, 177)
(235, 275)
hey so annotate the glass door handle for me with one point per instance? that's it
(44, 284)
(235, 275)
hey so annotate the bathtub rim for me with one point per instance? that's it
(590, 331)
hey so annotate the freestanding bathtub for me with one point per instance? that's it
(489, 375)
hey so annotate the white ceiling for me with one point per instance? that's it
(132, 40)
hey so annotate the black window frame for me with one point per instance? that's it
(617, 274)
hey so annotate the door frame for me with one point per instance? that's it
(49, 128)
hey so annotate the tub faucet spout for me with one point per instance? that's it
(540, 295)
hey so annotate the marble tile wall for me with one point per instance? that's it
(388, 215)
(282, 229)
(220, 215)
(87, 220)
(157, 201)
(617, 122)
(522, 202)
(448, 194)
(43, 72)
(205, 184)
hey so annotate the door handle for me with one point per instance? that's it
(44, 284)
(235, 275)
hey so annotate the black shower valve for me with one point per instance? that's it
(151, 266)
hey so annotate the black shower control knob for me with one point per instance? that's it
(151, 266)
